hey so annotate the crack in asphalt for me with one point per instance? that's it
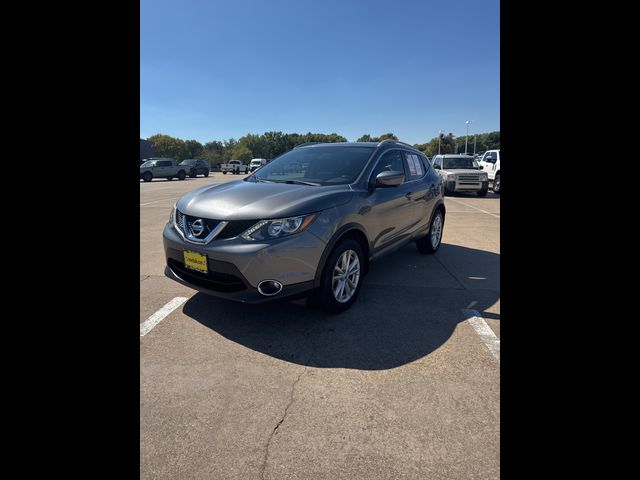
(265, 459)
(275, 429)
(145, 277)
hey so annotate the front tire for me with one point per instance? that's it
(147, 176)
(496, 184)
(342, 277)
(482, 193)
(206, 174)
(193, 174)
(224, 172)
(182, 175)
(431, 243)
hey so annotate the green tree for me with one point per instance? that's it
(385, 136)
(194, 148)
(229, 145)
(168, 146)
(241, 152)
(213, 152)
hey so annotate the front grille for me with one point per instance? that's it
(179, 218)
(233, 228)
(469, 178)
(208, 223)
(217, 281)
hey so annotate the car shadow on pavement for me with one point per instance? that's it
(404, 312)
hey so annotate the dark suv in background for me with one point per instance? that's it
(309, 222)
(196, 167)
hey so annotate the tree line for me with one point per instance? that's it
(451, 144)
(269, 145)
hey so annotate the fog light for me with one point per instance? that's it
(269, 287)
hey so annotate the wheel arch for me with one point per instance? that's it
(439, 207)
(351, 230)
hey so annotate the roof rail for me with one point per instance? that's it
(307, 143)
(391, 140)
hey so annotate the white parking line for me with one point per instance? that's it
(486, 334)
(467, 205)
(155, 201)
(156, 318)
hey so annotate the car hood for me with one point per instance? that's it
(464, 171)
(240, 200)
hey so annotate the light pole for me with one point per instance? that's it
(465, 137)
(474, 144)
(439, 133)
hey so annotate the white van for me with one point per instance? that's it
(256, 163)
(490, 163)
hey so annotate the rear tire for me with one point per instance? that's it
(193, 174)
(496, 184)
(182, 175)
(224, 172)
(147, 176)
(345, 257)
(206, 174)
(431, 242)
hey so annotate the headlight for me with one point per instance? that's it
(172, 215)
(281, 227)
(484, 178)
(451, 178)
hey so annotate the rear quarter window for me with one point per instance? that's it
(415, 167)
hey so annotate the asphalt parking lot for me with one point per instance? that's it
(405, 384)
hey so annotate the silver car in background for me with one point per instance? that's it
(461, 174)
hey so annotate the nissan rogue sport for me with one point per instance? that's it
(308, 223)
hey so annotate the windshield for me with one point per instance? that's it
(317, 165)
(188, 162)
(459, 162)
(255, 162)
(148, 163)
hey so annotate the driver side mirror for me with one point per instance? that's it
(389, 179)
(436, 167)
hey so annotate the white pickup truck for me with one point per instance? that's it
(234, 166)
(490, 163)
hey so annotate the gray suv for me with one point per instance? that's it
(308, 223)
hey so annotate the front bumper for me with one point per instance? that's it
(457, 186)
(236, 266)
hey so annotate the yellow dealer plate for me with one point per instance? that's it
(195, 261)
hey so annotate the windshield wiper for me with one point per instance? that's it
(300, 182)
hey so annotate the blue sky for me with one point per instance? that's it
(212, 70)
